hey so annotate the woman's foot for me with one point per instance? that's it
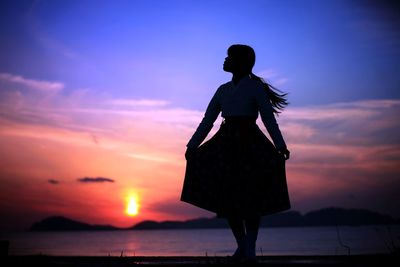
(240, 254)
(246, 255)
(251, 258)
(251, 247)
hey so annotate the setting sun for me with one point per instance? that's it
(132, 207)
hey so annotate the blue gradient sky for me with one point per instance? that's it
(115, 89)
(318, 51)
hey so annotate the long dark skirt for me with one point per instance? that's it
(237, 173)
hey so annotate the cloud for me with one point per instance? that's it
(53, 181)
(95, 180)
(359, 123)
(33, 84)
(271, 75)
(138, 102)
(151, 158)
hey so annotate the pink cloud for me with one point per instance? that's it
(139, 102)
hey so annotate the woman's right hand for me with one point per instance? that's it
(284, 152)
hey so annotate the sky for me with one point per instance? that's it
(98, 100)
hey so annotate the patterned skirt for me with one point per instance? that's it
(237, 172)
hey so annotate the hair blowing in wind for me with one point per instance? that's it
(247, 56)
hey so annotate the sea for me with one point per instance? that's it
(341, 240)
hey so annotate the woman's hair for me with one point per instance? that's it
(247, 57)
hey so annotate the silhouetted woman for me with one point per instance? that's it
(238, 173)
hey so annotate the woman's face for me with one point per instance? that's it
(234, 63)
(230, 64)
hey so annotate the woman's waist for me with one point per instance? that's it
(239, 120)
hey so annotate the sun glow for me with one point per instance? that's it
(132, 205)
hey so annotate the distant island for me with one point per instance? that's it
(324, 217)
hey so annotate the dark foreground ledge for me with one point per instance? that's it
(270, 261)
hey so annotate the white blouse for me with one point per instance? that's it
(247, 98)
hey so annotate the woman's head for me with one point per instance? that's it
(241, 58)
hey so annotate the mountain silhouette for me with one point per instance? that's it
(324, 217)
(60, 223)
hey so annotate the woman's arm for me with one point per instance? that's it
(268, 118)
(206, 124)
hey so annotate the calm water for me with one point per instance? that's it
(214, 242)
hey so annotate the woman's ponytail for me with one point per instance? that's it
(278, 101)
